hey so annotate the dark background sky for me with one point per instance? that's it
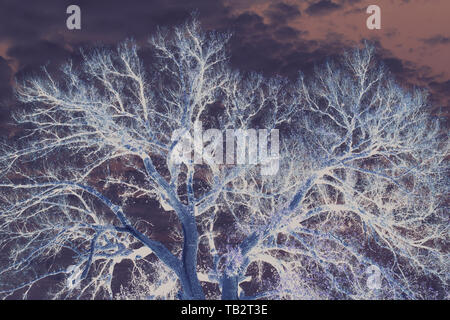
(270, 36)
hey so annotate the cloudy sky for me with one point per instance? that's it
(274, 37)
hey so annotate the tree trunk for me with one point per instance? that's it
(229, 287)
(192, 290)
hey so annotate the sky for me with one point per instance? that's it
(272, 37)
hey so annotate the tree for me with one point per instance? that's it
(360, 186)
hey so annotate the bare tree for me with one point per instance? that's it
(361, 182)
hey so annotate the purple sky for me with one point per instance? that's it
(274, 37)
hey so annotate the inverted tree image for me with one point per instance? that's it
(359, 191)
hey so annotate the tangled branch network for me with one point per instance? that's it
(361, 185)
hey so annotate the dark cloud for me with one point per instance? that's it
(394, 65)
(438, 39)
(441, 97)
(248, 22)
(263, 55)
(282, 12)
(444, 86)
(322, 7)
(38, 53)
(271, 48)
(22, 21)
(285, 32)
(5, 77)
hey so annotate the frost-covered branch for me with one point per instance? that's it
(361, 179)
